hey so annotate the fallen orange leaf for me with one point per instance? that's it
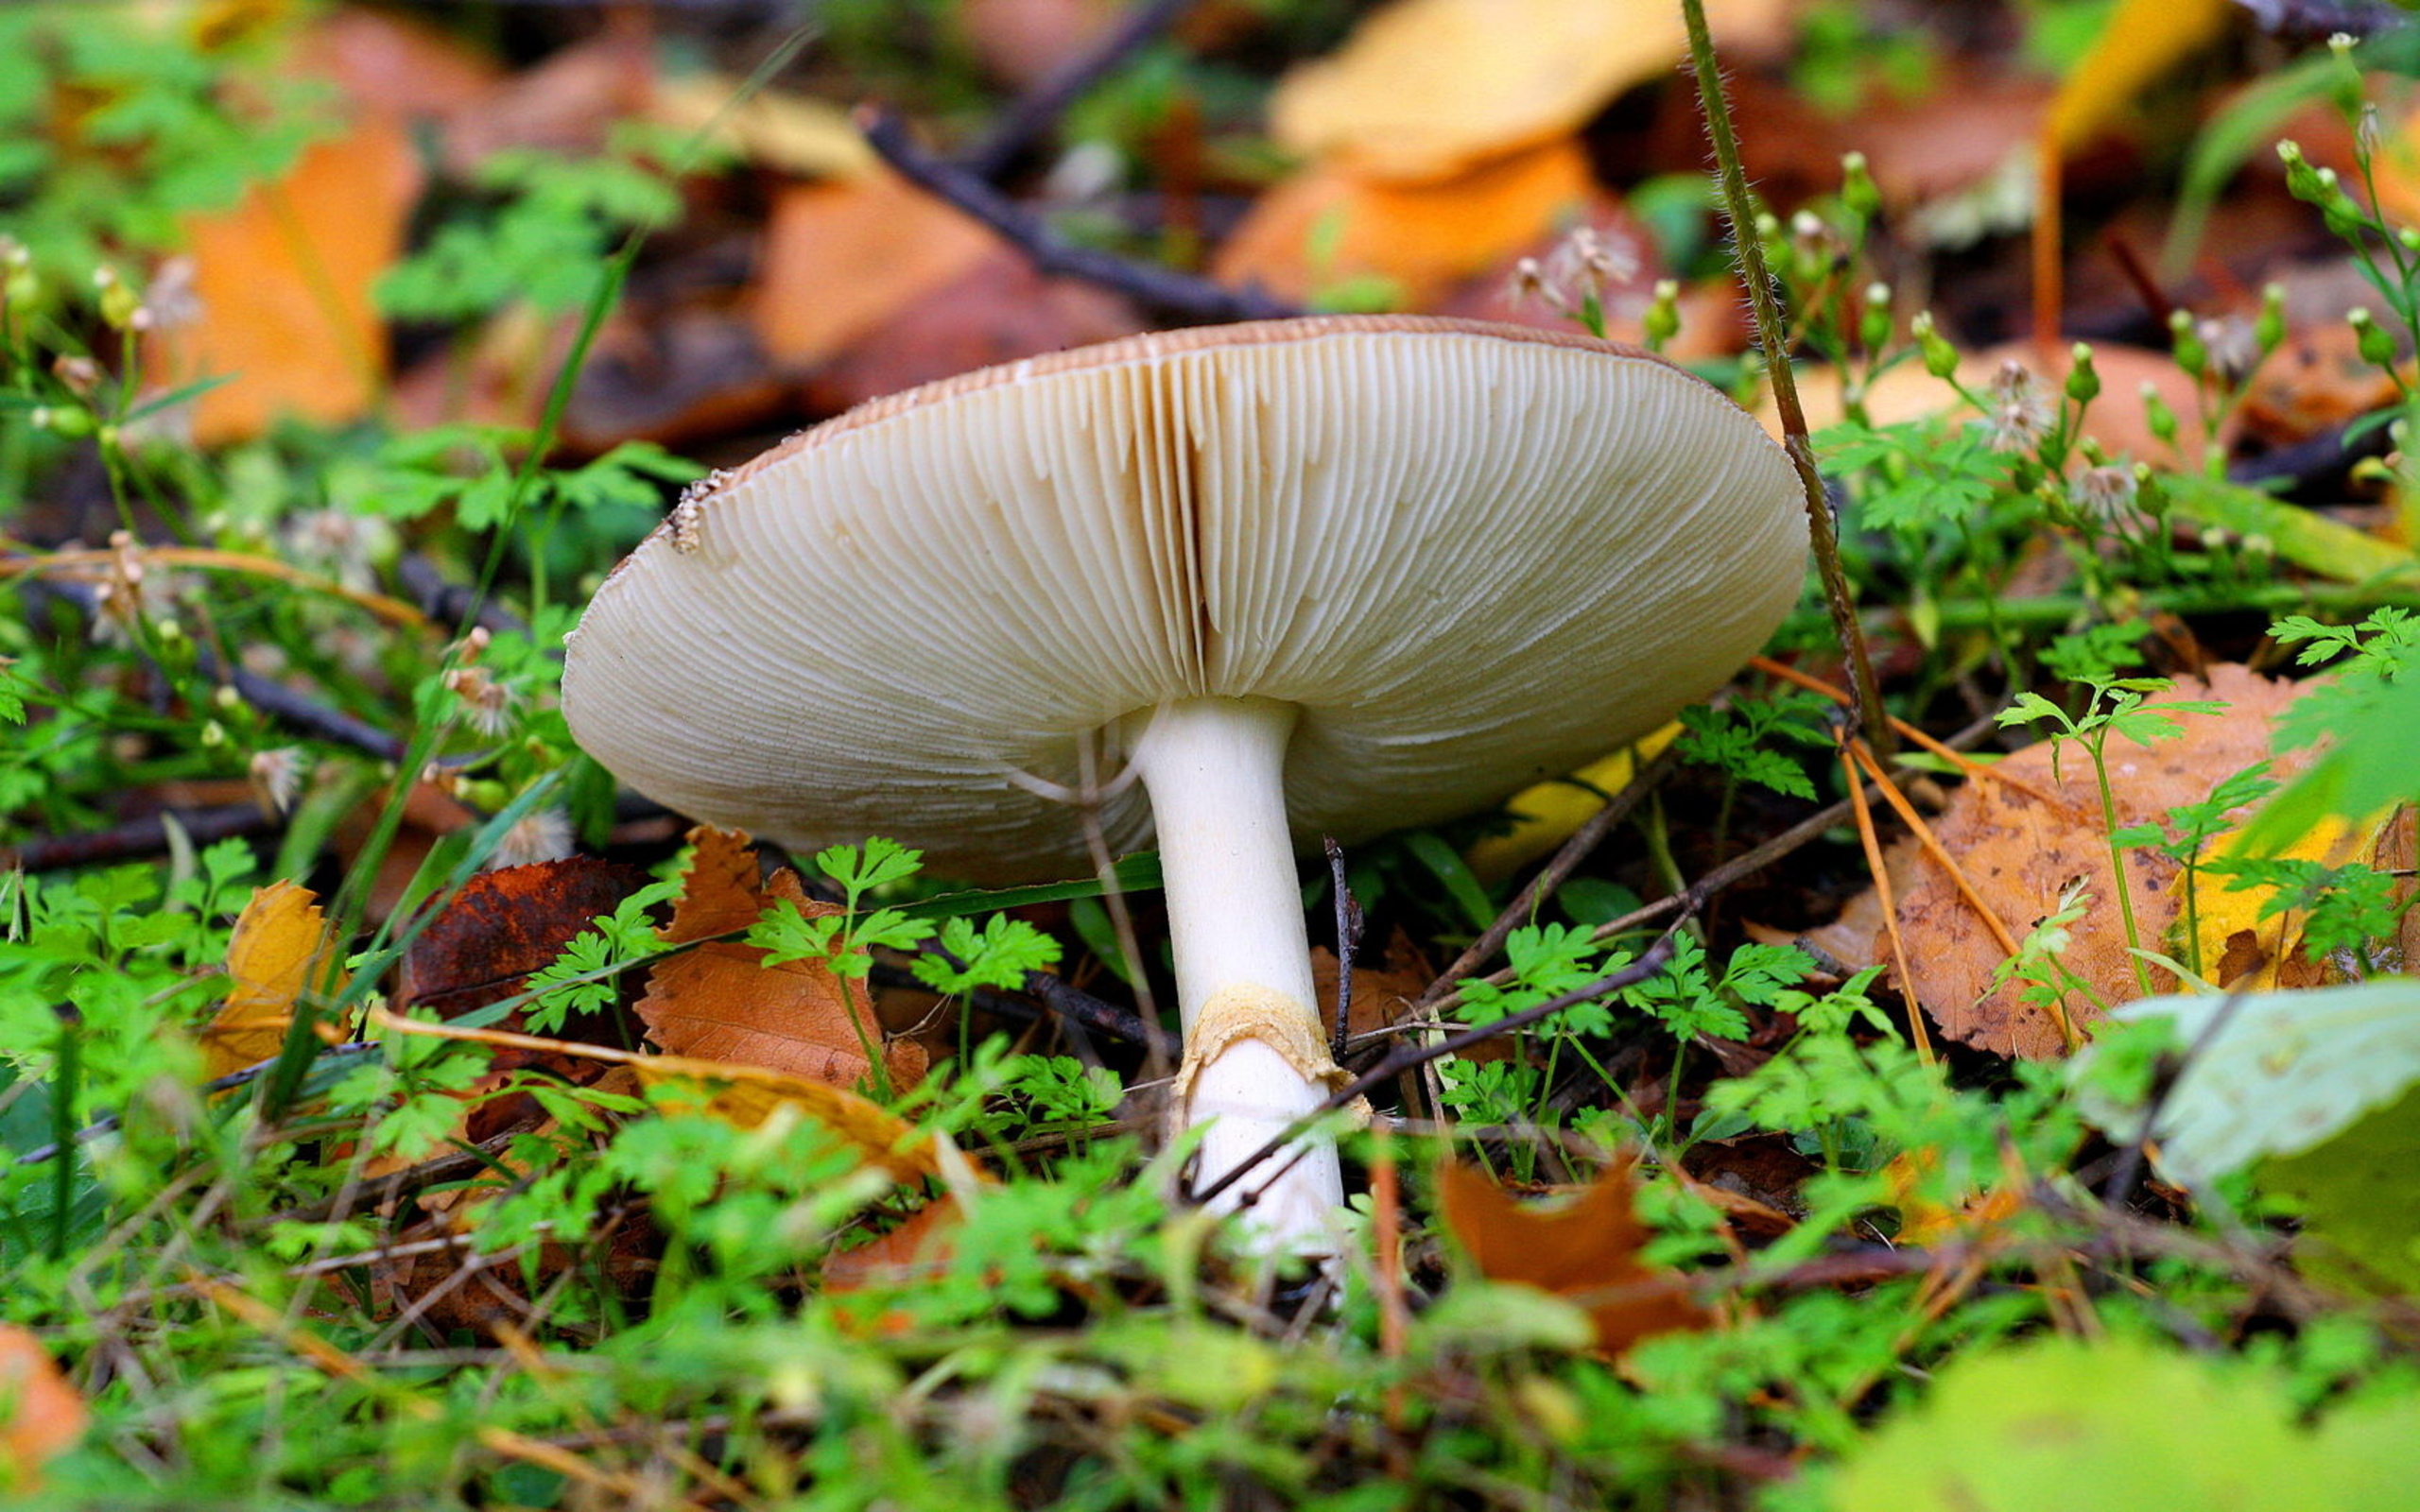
(282, 282)
(41, 1414)
(1586, 1251)
(720, 1001)
(1329, 225)
(842, 257)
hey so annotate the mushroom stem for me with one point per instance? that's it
(1255, 1047)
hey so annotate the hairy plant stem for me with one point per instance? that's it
(1865, 709)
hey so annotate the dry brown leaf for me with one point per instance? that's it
(840, 258)
(430, 814)
(1329, 225)
(1584, 1251)
(719, 1002)
(917, 1251)
(282, 286)
(278, 952)
(998, 310)
(41, 1414)
(1023, 42)
(1381, 995)
(1422, 89)
(2021, 854)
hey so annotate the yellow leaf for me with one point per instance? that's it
(2243, 953)
(795, 135)
(1544, 816)
(280, 944)
(1423, 89)
(2143, 40)
(747, 1096)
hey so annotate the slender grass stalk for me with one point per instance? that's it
(1772, 341)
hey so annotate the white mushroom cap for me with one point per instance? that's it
(1470, 555)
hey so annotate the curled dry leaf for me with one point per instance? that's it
(498, 928)
(278, 952)
(41, 1414)
(719, 1002)
(1330, 225)
(2021, 854)
(1422, 89)
(1586, 1251)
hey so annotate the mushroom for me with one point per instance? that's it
(1323, 577)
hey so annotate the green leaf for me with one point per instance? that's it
(2279, 1073)
(2122, 1426)
(2303, 536)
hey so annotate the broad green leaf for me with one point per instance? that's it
(2303, 536)
(2122, 1426)
(2279, 1074)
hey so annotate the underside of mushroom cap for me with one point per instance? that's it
(1473, 556)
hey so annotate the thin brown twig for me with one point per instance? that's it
(1694, 895)
(1584, 842)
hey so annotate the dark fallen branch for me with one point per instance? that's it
(1566, 860)
(1181, 298)
(295, 711)
(456, 605)
(136, 839)
(1039, 109)
(1076, 1005)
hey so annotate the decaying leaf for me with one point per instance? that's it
(1331, 225)
(842, 257)
(2273, 1074)
(2021, 855)
(718, 1002)
(41, 1414)
(279, 952)
(1586, 1251)
(1381, 995)
(1425, 87)
(281, 289)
